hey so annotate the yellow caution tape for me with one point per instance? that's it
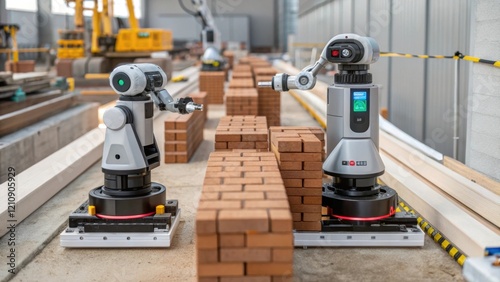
(456, 56)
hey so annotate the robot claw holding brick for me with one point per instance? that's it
(129, 210)
(361, 212)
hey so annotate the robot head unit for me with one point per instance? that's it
(135, 79)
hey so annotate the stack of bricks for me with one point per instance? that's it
(183, 135)
(230, 58)
(263, 71)
(243, 222)
(300, 152)
(242, 75)
(241, 132)
(269, 102)
(242, 101)
(200, 98)
(241, 83)
(242, 68)
(212, 82)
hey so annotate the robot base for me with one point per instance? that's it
(151, 237)
(395, 231)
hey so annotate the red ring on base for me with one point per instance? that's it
(121, 217)
(392, 211)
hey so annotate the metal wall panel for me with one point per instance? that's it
(360, 17)
(406, 106)
(346, 24)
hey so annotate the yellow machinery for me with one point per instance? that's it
(71, 43)
(9, 31)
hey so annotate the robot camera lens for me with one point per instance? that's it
(346, 53)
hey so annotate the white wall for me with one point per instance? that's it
(483, 146)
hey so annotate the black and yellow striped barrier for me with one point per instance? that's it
(456, 56)
(436, 236)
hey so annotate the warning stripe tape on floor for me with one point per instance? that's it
(456, 56)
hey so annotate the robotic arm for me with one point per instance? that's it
(143, 79)
(342, 49)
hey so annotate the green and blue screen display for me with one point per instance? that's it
(360, 101)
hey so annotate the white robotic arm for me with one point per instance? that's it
(341, 49)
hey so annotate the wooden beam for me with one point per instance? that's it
(468, 234)
(16, 120)
(9, 106)
(477, 198)
(472, 174)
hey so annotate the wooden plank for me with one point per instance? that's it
(472, 195)
(8, 106)
(468, 234)
(24, 117)
(472, 174)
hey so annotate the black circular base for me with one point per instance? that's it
(123, 206)
(363, 208)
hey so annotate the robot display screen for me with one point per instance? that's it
(359, 101)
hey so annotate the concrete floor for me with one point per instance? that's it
(42, 259)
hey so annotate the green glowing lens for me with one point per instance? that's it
(121, 82)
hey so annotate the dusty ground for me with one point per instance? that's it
(50, 262)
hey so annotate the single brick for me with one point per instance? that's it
(287, 174)
(206, 222)
(266, 204)
(245, 254)
(277, 195)
(295, 200)
(282, 254)
(311, 216)
(281, 220)
(247, 279)
(313, 166)
(313, 183)
(240, 221)
(271, 240)
(307, 226)
(312, 200)
(303, 192)
(265, 188)
(306, 157)
(290, 165)
(305, 208)
(273, 268)
(206, 241)
(219, 205)
(231, 240)
(207, 256)
(292, 183)
(223, 188)
(243, 196)
(221, 269)
(296, 216)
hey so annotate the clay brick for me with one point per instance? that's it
(207, 256)
(206, 222)
(303, 192)
(246, 279)
(252, 180)
(221, 269)
(305, 208)
(288, 144)
(243, 196)
(312, 200)
(281, 220)
(278, 195)
(223, 188)
(170, 158)
(240, 159)
(240, 221)
(263, 204)
(208, 279)
(282, 254)
(209, 196)
(273, 180)
(287, 174)
(206, 241)
(290, 183)
(274, 268)
(241, 145)
(245, 255)
(294, 200)
(255, 137)
(223, 174)
(312, 216)
(283, 278)
(265, 188)
(307, 226)
(262, 145)
(290, 165)
(296, 216)
(220, 145)
(313, 183)
(261, 163)
(212, 181)
(231, 240)
(242, 168)
(263, 174)
(313, 166)
(271, 240)
(219, 205)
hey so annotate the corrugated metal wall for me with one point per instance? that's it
(417, 92)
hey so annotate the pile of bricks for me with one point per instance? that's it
(300, 152)
(269, 102)
(241, 132)
(241, 83)
(183, 135)
(242, 74)
(243, 222)
(212, 82)
(229, 55)
(242, 101)
(264, 71)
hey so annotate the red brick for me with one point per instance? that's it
(307, 226)
(231, 240)
(290, 166)
(274, 268)
(223, 188)
(219, 205)
(265, 188)
(240, 221)
(296, 216)
(303, 192)
(305, 208)
(206, 241)
(282, 254)
(312, 216)
(312, 200)
(295, 200)
(207, 256)
(269, 239)
(206, 222)
(313, 183)
(301, 174)
(221, 269)
(278, 195)
(263, 204)
(243, 196)
(281, 220)
(292, 183)
(246, 279)
(313, 166)
(245, 254)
